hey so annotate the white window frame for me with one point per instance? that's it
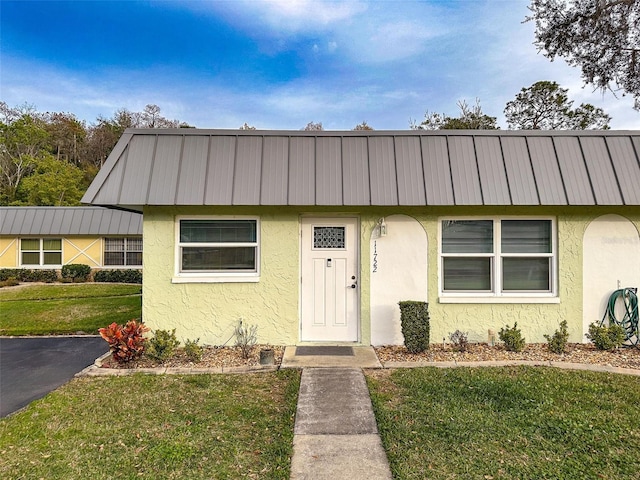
(215, 277)
(41, 251)
(497, 295)
(125, 240)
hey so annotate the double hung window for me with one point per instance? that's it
(218, 247)
(123, 251)
(498, 256)
(41, 251)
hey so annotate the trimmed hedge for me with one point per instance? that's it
(76, 272)
(414, 318)
(118, 276)
(29, 275)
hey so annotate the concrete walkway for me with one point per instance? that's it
(335, 434)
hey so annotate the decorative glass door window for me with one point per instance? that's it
(41, 251)
(328, 237)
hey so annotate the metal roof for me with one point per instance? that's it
(67, 221)
(413, 168)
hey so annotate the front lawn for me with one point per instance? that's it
(66, 308)
(156, 427)
(505, 423)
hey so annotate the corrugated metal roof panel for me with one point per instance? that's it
(302, 171)
(275, 171)
(219, 184)
(246, 181)
(493, 178)
(137, 175)
(522, 183)
(603, 179)
(65, 221)
(437, 171)
(382, 170)
(627, 167)
(547, 171)
(356, 189)
(165, 167)
(464, 171)
(328, 171)
(192, 176)
(409, 171)
(574, 171)
(368, 168)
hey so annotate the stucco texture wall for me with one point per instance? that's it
(211, 311)
(8, 252)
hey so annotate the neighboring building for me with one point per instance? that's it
(50, 237)
(316, 236)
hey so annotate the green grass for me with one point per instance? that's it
(156, 427)
(69, 308)
(505, 423)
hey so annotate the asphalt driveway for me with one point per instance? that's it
(32, 367)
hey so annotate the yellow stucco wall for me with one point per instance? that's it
(210, 311)
(85, 250)
(8, 252)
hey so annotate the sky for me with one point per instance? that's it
(280, 64)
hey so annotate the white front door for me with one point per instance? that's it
(329, 290)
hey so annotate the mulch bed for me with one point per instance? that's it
(215, 357)
(626, 357)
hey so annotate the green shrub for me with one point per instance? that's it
(9, 282)
(29, 275)
(606, 338)
(459, 340)
(126, 342)
(118, 276)
(162, 345)
(76, 272)
(512, 338)
(557, 343)
(193, 350)
(414, 319)
(246, 337)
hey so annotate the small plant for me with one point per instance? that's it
(246, 337)
(512, 338)
(557, 343)
(414, 320)
(459, 340)
(75, 272)
(162, 345)
(606, 338)
(126, 342)
(193, 350)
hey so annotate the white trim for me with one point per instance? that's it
(497, 295)
(215, 277)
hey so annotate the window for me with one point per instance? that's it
(498, 256)
(41, 251)
(125, 251)
(218, 247)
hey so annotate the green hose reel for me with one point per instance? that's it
(624, 301)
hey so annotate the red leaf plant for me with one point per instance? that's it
(126, 342)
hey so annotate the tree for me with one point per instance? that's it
(313, 127)
(53, 182)
(363, 126)
(599, 36)
(471, 118)
(546, 106)
(22, 139)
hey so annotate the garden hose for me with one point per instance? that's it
(629, 322)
